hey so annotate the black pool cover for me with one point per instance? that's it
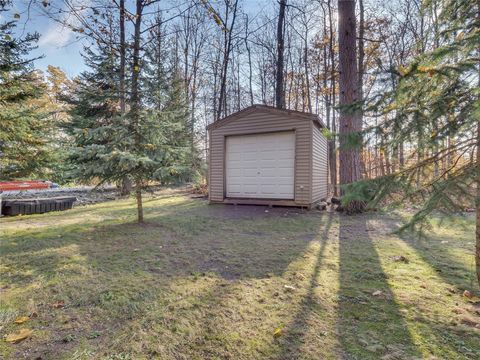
(36, 206)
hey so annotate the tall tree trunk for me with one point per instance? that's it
(186, 54)
(388, 164)
(382, 162)
(193, 102)
(361, 73)
(477, 200)
(436, 42)
(138, 193)
(327, 98)
(279, 86)
(250, 70)
(349, 123)
(333, 128)
(126, 186)
(226, 59)
(419, 159)
(135, 98)
(216, 65)
(307, 73)
(122, 56)
(401, 155)
(477, 205)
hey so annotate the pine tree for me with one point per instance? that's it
(155, 68)
(174, 148)
(57, 87)
(24, 125)
(166, 102)
(437, 98)
(149, 143)
(97, 125)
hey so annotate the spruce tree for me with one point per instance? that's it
(97, 126)
(147, 143)
(166, 103)
(174, 150)
(24, 125)
(437, 98)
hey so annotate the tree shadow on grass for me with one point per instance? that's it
(176, 241)
(370, 324)
(296, 330)
(114, 271)
(435, 251)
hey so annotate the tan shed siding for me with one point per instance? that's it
(216, 167)
(262, 122)
(319, 165)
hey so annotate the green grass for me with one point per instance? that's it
(203, 281)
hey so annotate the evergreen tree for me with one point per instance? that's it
(97, 126)
(166, 101)
(437, 98)
(155, 69)
(173, 144)
(110, 145)
(24, 124)
(57, 88)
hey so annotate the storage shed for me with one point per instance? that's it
(267, 156)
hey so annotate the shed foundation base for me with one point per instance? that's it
(264, 202)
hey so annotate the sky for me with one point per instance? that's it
(58, 45)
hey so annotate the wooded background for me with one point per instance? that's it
(226, 55)
(160, 71)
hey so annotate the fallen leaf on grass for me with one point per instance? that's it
(300, 276)
(467, 294)
(58, 304)
(278, 332)
(21, 319)
(17, 337)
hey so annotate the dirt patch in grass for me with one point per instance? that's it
(221, 211)
(201, 281)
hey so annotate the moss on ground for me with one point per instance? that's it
(201, 281)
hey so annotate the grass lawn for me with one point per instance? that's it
(203, 281)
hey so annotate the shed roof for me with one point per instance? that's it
(266, 108)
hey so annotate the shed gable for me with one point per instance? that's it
(260, 112)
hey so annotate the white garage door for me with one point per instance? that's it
(261, 166)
